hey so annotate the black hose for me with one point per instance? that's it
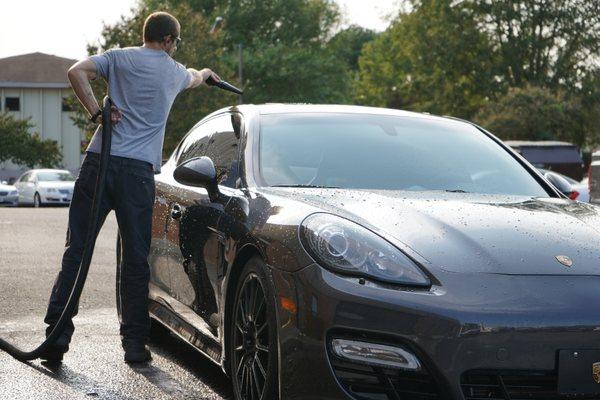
(88, 250)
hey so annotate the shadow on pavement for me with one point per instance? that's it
(78, 381)
(174, 349)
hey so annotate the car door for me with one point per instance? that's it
(20, 185)
(27, 189)
(196, 269)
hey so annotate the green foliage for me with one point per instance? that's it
(21, 147)
(348, 43)
(534, 113)
(299, 74)
(546, 43)
(432, 59)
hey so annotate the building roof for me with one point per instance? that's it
(34, 70)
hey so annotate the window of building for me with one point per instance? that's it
(12, 104)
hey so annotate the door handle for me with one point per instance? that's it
(176, 211)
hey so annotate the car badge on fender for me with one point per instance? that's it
(564, 260)
(596, 371)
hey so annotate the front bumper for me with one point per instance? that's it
(474, 322)
(56, 198)
(9, 200)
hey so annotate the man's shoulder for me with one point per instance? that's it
(125, 50)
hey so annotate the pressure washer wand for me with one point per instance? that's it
(88, 249)
(224, 85)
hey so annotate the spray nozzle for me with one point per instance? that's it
(223, 85)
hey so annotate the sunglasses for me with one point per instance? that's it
(177, 40)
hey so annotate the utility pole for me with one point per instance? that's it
(240, 69)
(215, 26)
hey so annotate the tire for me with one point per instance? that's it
(37, 201)
(253, 339)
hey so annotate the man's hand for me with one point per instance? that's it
(200, 77)
(115, 116)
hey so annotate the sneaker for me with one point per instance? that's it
(54, 353)
(136, 354)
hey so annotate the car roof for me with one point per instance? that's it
(284, 108)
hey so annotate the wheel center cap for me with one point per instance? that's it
(249, 338)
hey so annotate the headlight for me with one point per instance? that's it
(349, 248)
(13, 193)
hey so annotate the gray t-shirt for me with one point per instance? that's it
(143, 84)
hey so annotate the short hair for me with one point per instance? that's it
(160, 24)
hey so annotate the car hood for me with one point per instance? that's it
(7, 188)
(474, 233)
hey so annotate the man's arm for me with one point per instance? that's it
(200, 77)
(80, 75)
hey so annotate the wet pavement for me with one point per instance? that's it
(31, 243)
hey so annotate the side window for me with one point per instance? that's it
(196, 143)
(223, 149)
(25, 177)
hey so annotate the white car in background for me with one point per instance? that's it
(45, 187)
(8, 194)
(581, 190)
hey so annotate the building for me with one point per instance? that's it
(35, 86)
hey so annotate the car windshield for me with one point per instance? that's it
(382, 152)
(51, 176)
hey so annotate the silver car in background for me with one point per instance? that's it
(40, 187)
(8, 194)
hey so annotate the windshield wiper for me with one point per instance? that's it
(455, 191)
(299, 185)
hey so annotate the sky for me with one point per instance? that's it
(65, 27)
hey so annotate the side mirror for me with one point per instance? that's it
(199, 172)
(560, 183)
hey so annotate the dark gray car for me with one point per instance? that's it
(337, 252)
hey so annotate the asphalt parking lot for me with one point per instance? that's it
(31, 243)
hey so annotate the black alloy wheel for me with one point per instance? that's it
(253, 348)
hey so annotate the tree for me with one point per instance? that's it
(433, 58)
(299, 74)
(534, 113)
(550, 43)
(21, 147)
(348, 43)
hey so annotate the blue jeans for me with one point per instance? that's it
(129, 191)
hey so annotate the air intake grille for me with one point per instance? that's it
(3, 193)
(373, 383)
(510, 385)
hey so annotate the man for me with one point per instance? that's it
(143, 83)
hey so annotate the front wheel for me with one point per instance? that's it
(253, 339)
(37, 201)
